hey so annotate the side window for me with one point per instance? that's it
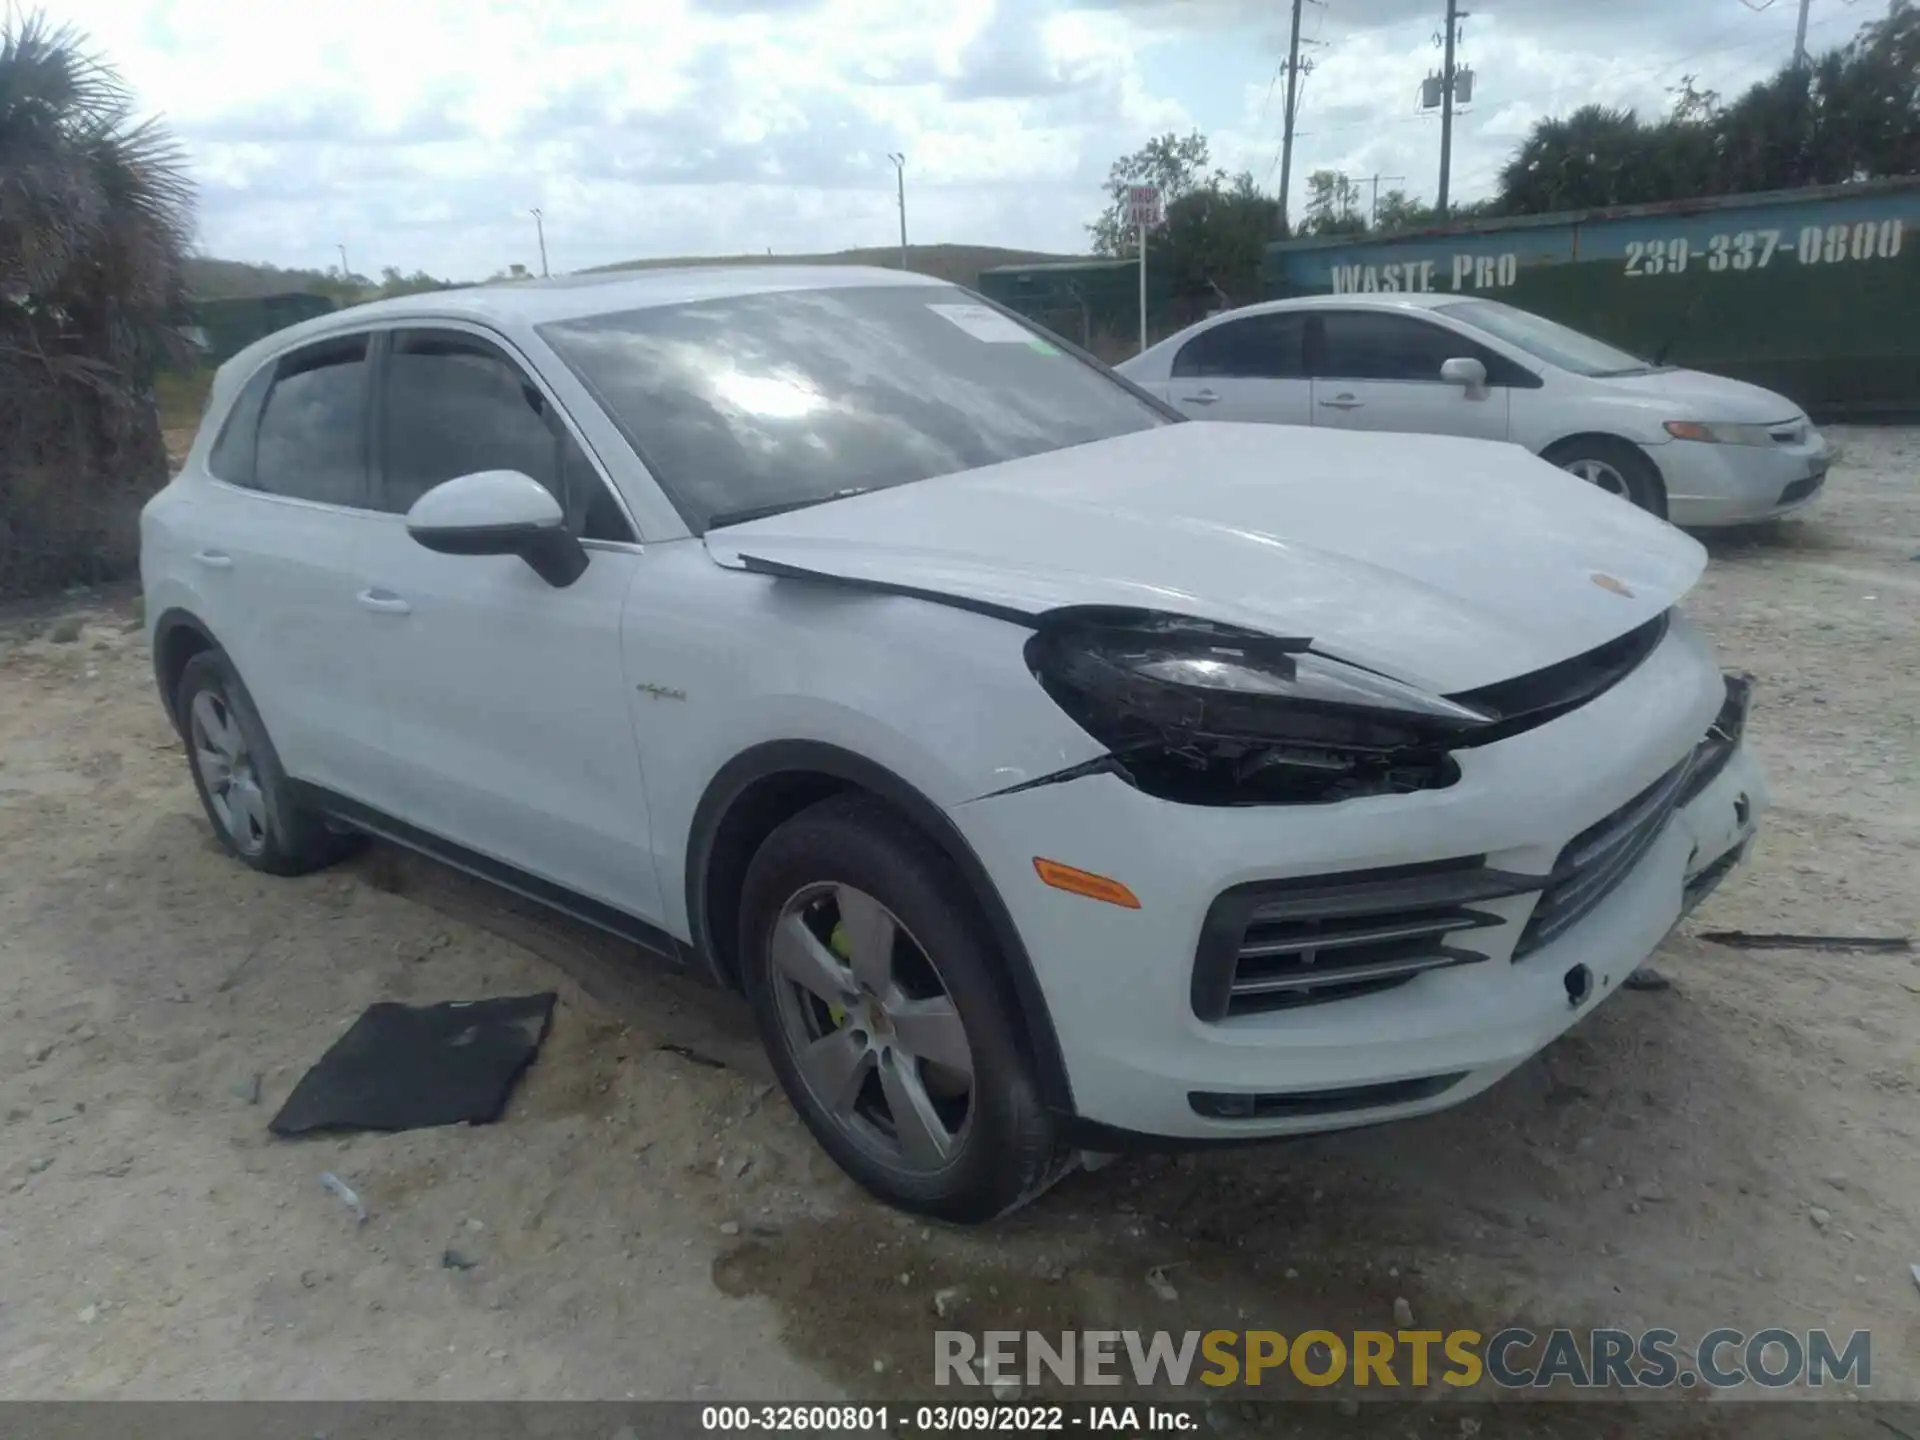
(232, 456)
(454, 404)
(1260, 347)
(312, 442)
(1379, 345)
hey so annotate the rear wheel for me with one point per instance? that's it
(876, 996)
(1615, 466)
(238, 776)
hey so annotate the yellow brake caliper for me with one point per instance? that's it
(841, 946)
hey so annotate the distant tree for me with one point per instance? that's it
(1214, 241)
(1850, 114)
(1398, 210)
(1333, 205)
(392, 283)
(95, 218)
(1177, 165)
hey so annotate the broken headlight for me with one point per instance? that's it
(1211, 714)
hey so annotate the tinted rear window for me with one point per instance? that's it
(797, 396)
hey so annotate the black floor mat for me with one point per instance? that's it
(403, 1067)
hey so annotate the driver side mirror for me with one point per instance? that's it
(499, 512)
(1466, 372)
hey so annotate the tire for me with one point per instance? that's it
(1617, 466)
(902, 985)
(238, 775)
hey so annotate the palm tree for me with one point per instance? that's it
(95, 218)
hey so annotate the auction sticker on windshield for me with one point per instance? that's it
(985, 323)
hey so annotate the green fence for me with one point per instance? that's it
(1814, 293)
(221, 329)
(1094, 303)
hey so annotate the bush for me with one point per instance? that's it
(94, 221)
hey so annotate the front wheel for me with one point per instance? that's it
(875, 992)
(1615, 466)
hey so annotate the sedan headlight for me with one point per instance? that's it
(1721, 433)
(1212, 714)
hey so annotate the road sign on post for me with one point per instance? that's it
(1143, 209)
(1143, 206)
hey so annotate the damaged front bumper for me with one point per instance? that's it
(1120, 983)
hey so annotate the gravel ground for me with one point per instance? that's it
(1736, 1150)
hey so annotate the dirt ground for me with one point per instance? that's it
(1738, 1150)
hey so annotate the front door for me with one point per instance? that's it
(506, 696)
(1380, 370)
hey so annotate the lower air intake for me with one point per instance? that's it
(1278, 944)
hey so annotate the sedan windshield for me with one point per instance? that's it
(1547, 340)
(751, 404)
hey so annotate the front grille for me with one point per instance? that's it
(1275, 945)
(1801, 489)
(1601, 856)
(1791, 433)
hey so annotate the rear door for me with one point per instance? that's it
(285, 537)
(1248, 369)
(507, 699)
(1380, 370)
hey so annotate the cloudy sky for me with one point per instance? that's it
(417, 133)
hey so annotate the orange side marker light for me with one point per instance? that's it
(1085, 882)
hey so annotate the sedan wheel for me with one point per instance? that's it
(871, 1027)
(1599, 472)
(221, 756)
(1615, 466)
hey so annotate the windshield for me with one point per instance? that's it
(754, 403)
(1547, 340)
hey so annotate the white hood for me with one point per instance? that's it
(1450, 563)
(1696, 395)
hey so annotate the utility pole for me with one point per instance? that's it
(900, 178)
(540, 228)
(1373, 210)
(1800, 36)
(1454, 17)
(1286, 134)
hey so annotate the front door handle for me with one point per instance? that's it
(1343, 402)
(385, 602)
(1200, 397)
(214, 559)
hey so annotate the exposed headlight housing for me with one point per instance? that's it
(1212, 714)
(1721, 433)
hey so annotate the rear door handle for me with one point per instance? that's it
(1201, 397)
(1343, 402)
(214, 559)
(385, 602)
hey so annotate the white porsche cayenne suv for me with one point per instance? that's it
(1053, 774)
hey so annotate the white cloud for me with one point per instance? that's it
(418, 132)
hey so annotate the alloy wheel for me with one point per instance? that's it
(871, 1027)
(226, 768)
(1600, 473)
